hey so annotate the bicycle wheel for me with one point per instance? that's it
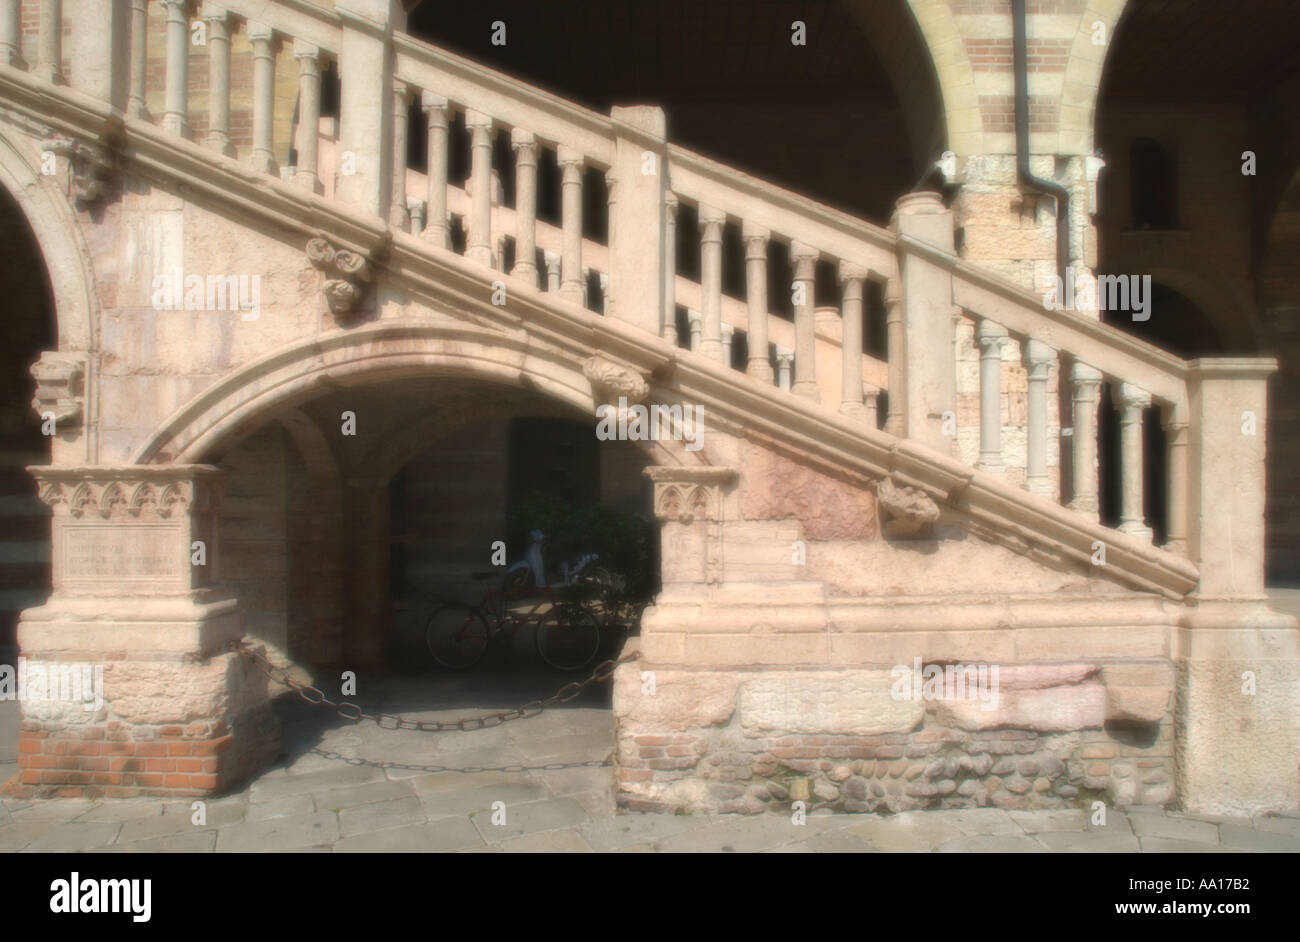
(568, 637)
(457, 636)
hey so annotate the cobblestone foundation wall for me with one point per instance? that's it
(733, 766)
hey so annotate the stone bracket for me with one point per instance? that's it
(93, 164)
(347, 274)
(690, 495)
(611, 380)
(60, 387)
(907, 512)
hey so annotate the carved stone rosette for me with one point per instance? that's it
(351, 272)
(908, 512)
(60, 379)
(693, 497)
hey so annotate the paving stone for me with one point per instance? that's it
(529, 818)
(178, 818)
(547, 842)
(280, 807)
(838, 842)
(381, 815)
(562, 782)
(189, 842)
(1278, 825)
(302, 830)
(469, 799)
(980, 821)
(1232, 835)
(991, 844)
(123, 809)
(269, 787)
(336, 799)
(445, 834)
(15, 837)
(74, 836)
(909, 832)
(741, 834)
(1179, 829)
(53, 809)
(1089, 842)
(1166, 845)
(1035, 822)
(626, 830)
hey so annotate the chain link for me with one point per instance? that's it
(353, 713)
(471, 769)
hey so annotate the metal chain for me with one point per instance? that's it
(350, 711)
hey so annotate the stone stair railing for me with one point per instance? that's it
(1215, 490)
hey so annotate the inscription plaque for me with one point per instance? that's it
(122, 552)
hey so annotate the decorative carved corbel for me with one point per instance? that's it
(351, 273)
(92, 164)
(908, 512)
(611, 380)
(693, 495)
(59, 387)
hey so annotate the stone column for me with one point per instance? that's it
(418, 210)
(218, 136)
(896, 360)
(852, 278)
(49, 49)
(398, 215)
(97, 47)
(728, 337)
(991, 338)
(636, 216)
(572, 286)
(1038, 358)
(1176, 440)
(784, 362)
(435, 116)
(871, 405)
(365, 106)
(804, 258)
(176, 118)
(263, 40)
(605, 300)
(930, 371)
(711, 223)
(525, 147)
(696, 321)
(1085, 385)
(11, 32)
(1133, 403)
(137, 598)
(308, 57)
(139, 58)
(552, 260)
(668, 317)
(756, 239)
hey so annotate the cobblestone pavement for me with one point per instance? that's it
(313, 803)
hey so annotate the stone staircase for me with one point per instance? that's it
(413, 272)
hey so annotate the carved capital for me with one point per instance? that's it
(59, 387)
(687, 494)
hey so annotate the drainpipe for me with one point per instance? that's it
(1049, 187)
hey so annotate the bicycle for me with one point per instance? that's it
(568, 633)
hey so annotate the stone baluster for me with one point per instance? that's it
(1176, 441)
(399, 217)
(1133, 403)
(586, 287)
(784, 362)
(175, 118)
(605, 299)
(525, 147)
(852, 280)
(896, 359)
(572, 284)
(308, 57)
(479, 244)
(418, 209)
(435, 117)
(804, 258)
(711, 223)
(218, 137)
(11, 32)
(668, 318)
(139, 58)
(991, 338)
(871, 405)
(498, 231)
(262, 38)
(49, 50)
(696, 320)
(611, 215)
(756, 239)
(728, 338)
(1038, 359)
(552, 260)
(1085, 383)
